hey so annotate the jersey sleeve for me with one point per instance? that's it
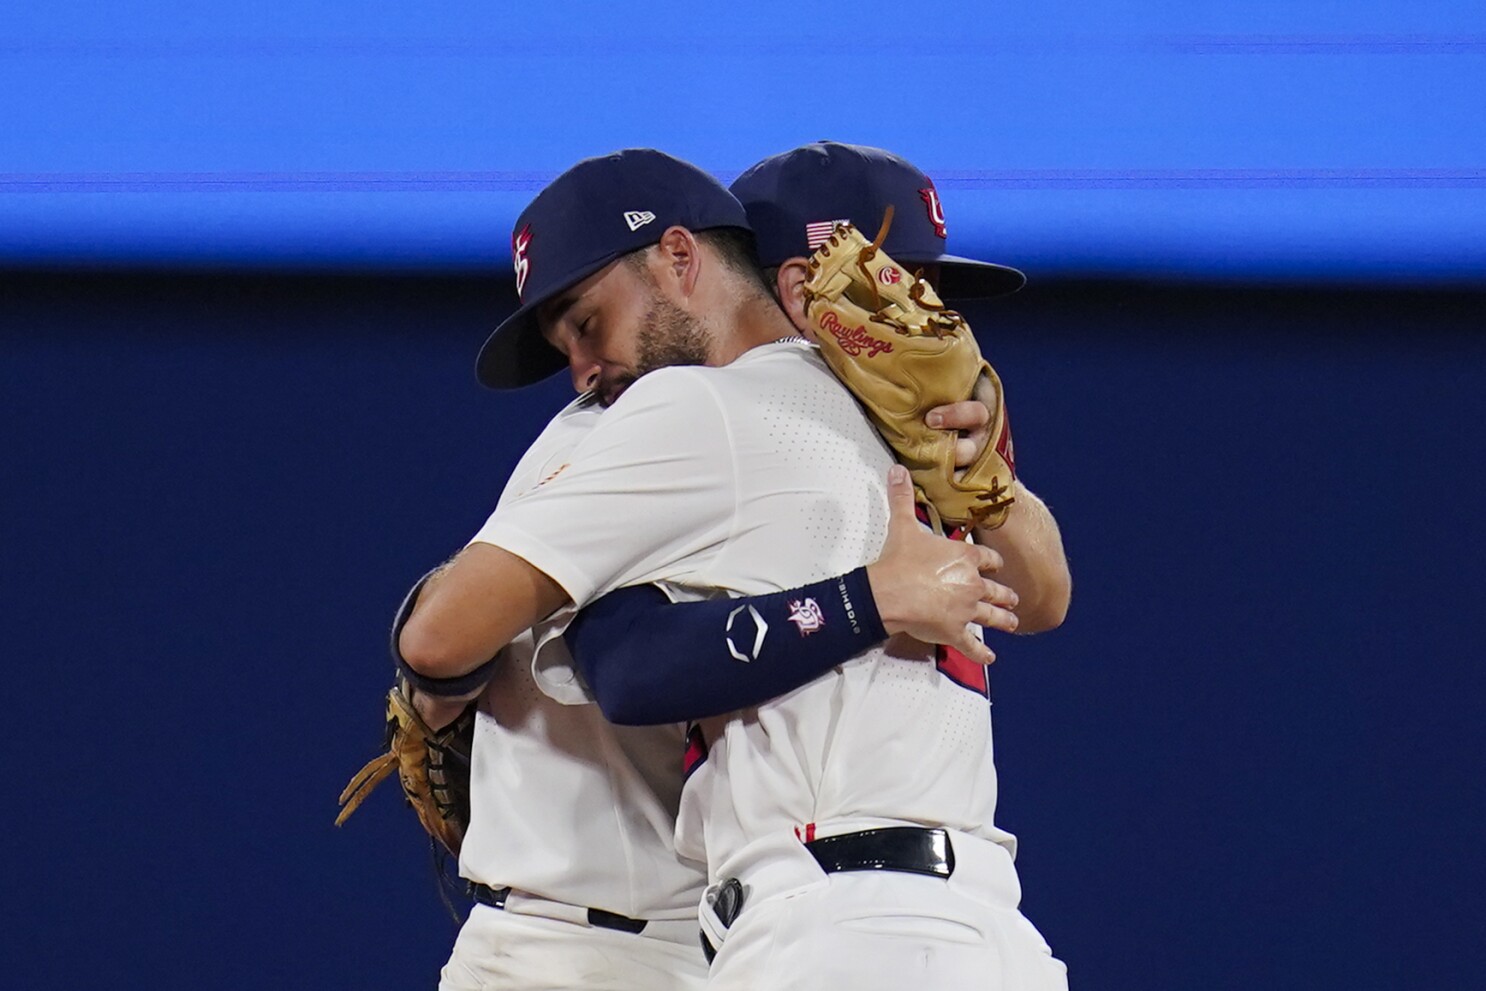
(553, 447)
(649, 494)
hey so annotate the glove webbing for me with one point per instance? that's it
(373, 773)
(442, 758)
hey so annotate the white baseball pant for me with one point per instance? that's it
(801, 929)
(499, 950)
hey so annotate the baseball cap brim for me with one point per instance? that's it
(516, 353)
(968, 278)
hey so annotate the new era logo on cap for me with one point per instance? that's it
(819, 232)
(638, 218)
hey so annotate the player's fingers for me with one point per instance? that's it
(987, 559)
(999, 595)
(973, 648)
(967, 449)
(971, 414)
(900, 507)
(994, 618)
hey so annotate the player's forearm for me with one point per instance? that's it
(470, 609)
(437, 713)
(648, 660)
(1036, 566)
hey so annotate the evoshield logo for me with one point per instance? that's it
(760, 630)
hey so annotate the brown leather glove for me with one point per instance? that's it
(434, 768)
(887, 336)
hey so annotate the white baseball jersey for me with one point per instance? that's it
(564, 805)
(755, 477)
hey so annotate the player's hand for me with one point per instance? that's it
(970, 420)
(931, 587)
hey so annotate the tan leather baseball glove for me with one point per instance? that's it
(887, 336)
(434, 768)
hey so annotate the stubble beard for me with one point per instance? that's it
(668, 336)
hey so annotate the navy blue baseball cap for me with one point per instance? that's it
(795, 199)
(597, 211)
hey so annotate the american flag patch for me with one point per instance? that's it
(817, 233)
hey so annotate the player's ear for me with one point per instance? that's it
(679, 259)
(789, 287)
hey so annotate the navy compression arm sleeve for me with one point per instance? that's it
(648, 660)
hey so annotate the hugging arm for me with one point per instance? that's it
(649, 660)
(1029, 541)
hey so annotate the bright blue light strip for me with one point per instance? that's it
(969, 179)
(1260, 141)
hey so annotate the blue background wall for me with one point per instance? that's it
(247, 256)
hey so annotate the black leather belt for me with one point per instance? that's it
(496, 898)
(907, 849)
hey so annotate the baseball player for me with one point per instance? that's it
(770, 478)
(569, 849)
(785, 197)
(793, 199)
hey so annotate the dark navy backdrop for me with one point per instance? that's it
(1250, 759)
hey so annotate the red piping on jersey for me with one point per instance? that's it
(963, 671)
(696, 750)
(951, 663)
(958, 533)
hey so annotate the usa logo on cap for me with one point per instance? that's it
(936, 209)
(522, 264)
